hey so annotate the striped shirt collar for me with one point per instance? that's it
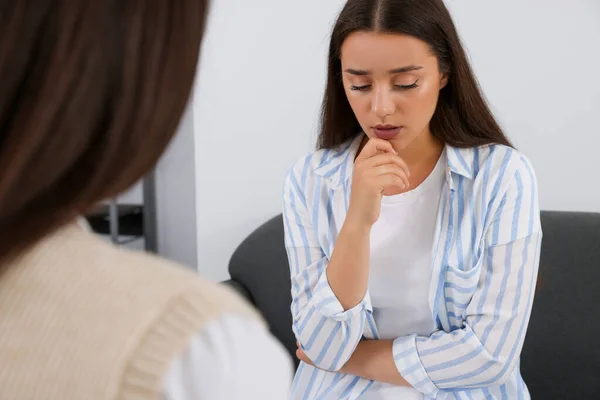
(337, 164)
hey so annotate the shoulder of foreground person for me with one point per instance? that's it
(150, 275)
(232, 358)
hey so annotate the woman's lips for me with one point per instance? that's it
(386, 131)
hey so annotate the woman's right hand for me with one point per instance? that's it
(377, 169)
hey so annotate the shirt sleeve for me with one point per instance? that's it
(326, 332)
(233, 358)
(485, 351)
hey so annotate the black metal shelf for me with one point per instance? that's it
(130, 220)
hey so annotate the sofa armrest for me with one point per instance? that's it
(240, 289)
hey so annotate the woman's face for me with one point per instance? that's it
(392, 82)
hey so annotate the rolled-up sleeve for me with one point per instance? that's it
(327, 333)
(486, 349)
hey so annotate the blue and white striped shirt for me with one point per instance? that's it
(484, 270)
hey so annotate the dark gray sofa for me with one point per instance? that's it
(561, 355)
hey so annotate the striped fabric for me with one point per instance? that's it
(484, 267)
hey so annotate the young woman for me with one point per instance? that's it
(413, 232)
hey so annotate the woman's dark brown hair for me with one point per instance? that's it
(92, 91)
(462, 117)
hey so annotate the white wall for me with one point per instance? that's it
(261, 80)
(259, 87)
(538, 62)
(175, 181)
(176, 208)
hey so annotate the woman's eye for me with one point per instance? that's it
(406, 87)
(360, 88)
(363, 88)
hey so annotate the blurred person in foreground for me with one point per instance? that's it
(91, 94)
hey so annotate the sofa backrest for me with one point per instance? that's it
(561, 356)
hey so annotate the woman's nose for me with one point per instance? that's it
(383, 104)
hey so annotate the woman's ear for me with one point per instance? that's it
(444, 81)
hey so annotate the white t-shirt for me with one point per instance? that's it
(400, 268)
(233, 358)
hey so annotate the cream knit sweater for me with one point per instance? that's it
(83, 320)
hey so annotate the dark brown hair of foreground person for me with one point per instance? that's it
(92, 91)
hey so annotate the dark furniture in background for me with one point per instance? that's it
(126, 223)
(561, 355)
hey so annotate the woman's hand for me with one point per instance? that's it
(377, 169)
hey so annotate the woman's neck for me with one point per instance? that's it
(423, 152)
(421, 156)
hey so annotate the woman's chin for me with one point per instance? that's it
(401, 143)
